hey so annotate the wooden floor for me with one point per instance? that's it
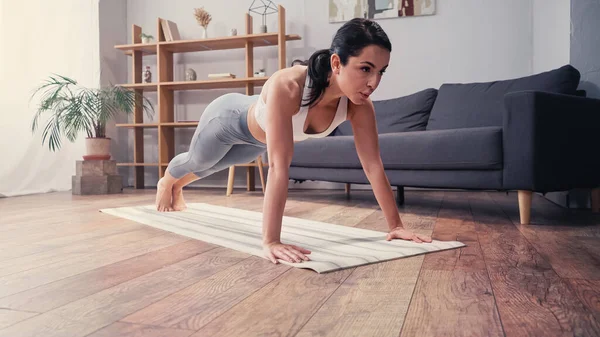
(68, 270)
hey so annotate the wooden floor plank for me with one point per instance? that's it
(195, 306)
(16, 250)
(279, 309)
(19, 214)
(16, 283)
(120, 329)
(455, 222)
(63, 211)
(453, 296)
(10, 317)
(352, 214)
(468, 258)
(75, 251)
(532, 299)
(570, 257)
(56, 294)
(421, 210)
(50, 231)
(117, 302)
(372, 301)
(97, 311)
(318, 213)
(48, 325)
(588, 292)
(453, 303)
(570, 254)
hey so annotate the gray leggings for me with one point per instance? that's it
(222, 139)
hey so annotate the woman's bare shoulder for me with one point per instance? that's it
(287, 81)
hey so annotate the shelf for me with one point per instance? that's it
(226, 83)
(180, 124)
(155, 125)
(139, 164)
(228, 42)
(166, 84)
(138, 125)
(214, 84)
(167, 164)
(219, 43)
(142, 86)
(145, 48)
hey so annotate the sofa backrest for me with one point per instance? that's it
(401, 114)
(482, 104)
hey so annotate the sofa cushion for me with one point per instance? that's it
(457, 149)
(407, 113)
(482, 104)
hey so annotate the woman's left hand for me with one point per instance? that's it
(404, 234)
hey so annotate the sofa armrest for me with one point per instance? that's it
(550, 141)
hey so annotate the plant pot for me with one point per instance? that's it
(145, 40)
(97, 149)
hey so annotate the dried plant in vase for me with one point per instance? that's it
(203, 18)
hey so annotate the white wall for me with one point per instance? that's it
(551, 34)
(467, 40)
(37, 38)
(1, 36)
(113, 31)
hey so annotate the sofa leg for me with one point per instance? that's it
(525, 198)
(400, 195)
(596, 200)
(347, 188)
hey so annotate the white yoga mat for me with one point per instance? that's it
(333, 247)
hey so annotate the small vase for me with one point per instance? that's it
(204, 34)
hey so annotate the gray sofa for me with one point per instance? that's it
(532, 134)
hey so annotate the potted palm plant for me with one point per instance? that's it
(75, 109)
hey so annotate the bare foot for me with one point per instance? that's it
(163, 196)
(178, 202)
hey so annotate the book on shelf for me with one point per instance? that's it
(170, 30)
(221, 75)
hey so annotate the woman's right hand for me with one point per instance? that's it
(289, 253)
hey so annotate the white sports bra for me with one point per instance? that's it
(299, 119)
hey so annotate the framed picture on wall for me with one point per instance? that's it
(344, 10)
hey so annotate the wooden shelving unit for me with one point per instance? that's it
(165, 86)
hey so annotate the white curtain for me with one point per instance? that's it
(38, 38)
